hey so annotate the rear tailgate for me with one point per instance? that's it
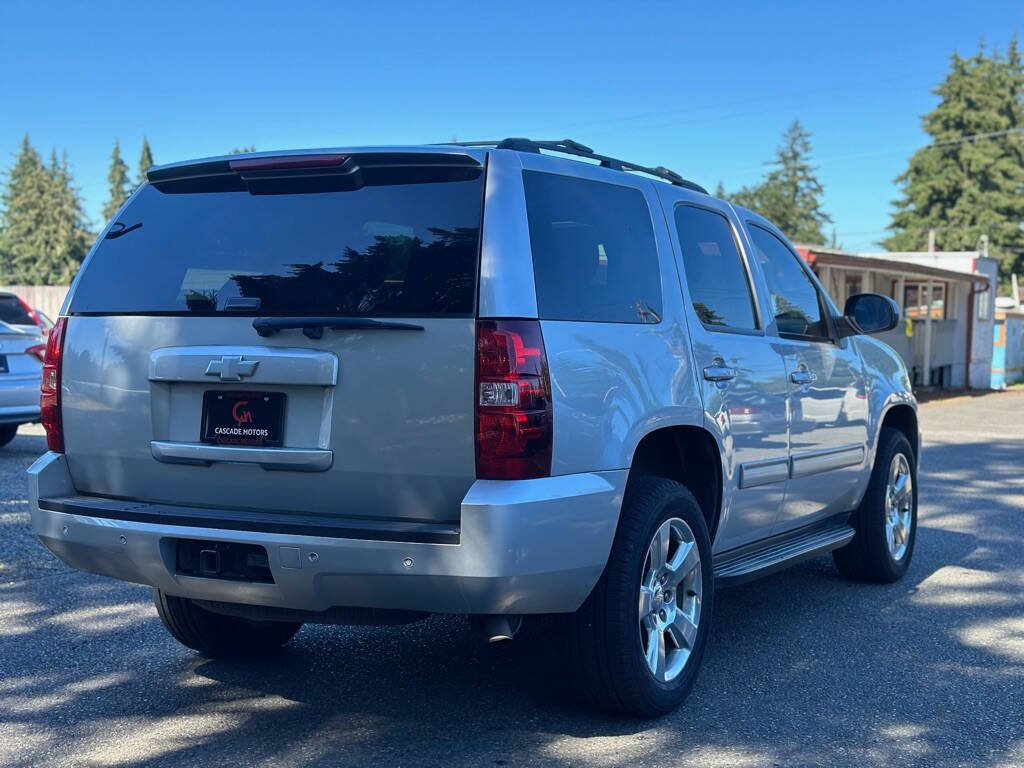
(170, 394)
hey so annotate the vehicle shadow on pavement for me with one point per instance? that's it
(804, 667)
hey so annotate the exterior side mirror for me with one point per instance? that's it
(869, 313)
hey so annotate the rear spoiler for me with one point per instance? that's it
(269, 165)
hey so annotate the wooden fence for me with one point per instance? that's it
(47, 298)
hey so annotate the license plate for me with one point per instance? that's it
(253, 419)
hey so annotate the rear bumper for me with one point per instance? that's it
(535, 546)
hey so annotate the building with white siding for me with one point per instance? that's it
(946, 300)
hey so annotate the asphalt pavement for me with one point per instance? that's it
(804, 668)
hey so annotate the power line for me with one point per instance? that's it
(893, 150)
(690, 109)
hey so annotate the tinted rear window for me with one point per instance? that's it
(715, 275)
(594, 256)
(385, 250)
(13, 311)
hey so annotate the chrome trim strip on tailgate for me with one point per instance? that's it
(812, 463)
(276, 365)
(302, 459)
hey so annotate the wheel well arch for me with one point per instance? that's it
(903, 418)
(688, 455)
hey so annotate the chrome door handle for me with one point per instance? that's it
(803, 377)
(719, 373)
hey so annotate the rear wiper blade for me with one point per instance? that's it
(120, 229)
(313, 327)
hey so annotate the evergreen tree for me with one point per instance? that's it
(24, 208)
(970, 180)
(44, 236)
(790, 195)
(242, 150)
(117, 178)
(145, 161)
(69, 235)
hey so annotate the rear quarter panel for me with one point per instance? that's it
(613, 383)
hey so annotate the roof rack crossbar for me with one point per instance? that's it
(570, 147)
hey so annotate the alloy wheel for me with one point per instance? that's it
(670, 599)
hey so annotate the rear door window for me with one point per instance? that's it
(594, 256)
(13, 312)
(391, 249)
(715, 273)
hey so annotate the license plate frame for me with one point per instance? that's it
(243, 418)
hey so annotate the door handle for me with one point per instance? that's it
(719, 373)
(803, 377)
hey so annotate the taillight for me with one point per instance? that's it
(37, 351)
(49, 401)
(513, 401)
(287, 162)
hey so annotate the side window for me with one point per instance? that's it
(715, 275)
(594, 256)
(795, 301)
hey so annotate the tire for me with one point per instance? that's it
(869, 556)
(607, 636)
(7, 433)
(213, 634)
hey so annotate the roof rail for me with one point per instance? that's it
(570, 147)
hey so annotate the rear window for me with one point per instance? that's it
(13, 312)
(715, 274)
(594, 256)
(394, 249)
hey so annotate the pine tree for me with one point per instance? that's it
(44, 235)
(145, 161)
(242, 150)
(24, 209)
(970, 180)
(69, 233)
(117, 178)
(790, 195)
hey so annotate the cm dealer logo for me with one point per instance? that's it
(240, 413)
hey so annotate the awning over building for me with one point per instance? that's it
(941, 295)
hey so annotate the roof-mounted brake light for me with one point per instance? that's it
(287, 162)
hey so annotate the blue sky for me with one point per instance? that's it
(706, 90)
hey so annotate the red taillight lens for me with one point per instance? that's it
(37, 351)
(287, 162)
(49, 401)
(513, 401)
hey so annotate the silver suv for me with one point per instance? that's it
(366, 385)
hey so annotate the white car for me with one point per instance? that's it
(21, 366)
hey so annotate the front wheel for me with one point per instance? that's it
(886, 520)
(637, 642)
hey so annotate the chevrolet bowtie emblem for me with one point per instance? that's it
(231, 368)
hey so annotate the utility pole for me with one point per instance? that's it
(931, 240)
(983, 245)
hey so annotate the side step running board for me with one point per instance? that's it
(753, 562)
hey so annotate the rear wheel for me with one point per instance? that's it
(637, 642)
(886, 520)
(7, 433)
(213, 634)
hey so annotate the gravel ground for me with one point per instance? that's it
(804, 668)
